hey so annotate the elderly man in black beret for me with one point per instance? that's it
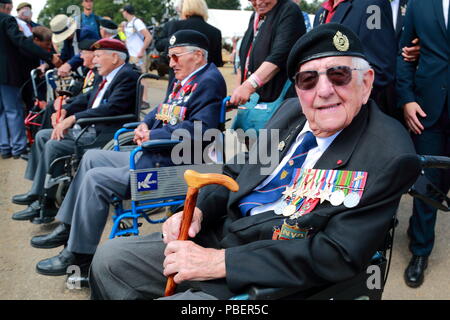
(198, 91)
(108, 29)
(332, 198)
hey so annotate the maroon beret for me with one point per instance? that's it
(110, 44)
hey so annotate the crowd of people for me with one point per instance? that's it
(343, 92)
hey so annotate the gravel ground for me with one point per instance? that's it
(18, 279)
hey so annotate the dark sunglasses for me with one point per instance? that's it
(338, 76)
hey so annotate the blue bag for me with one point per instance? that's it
(255, 114)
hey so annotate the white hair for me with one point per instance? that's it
(362, 65)
(112, 32)
(122, 55)
(203, 51)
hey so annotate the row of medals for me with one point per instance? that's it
(299, 193)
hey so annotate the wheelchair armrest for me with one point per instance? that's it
(158, 144)
(256, 293)
(435, 162)
(113, 119)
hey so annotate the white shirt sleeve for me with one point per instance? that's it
(139, 25)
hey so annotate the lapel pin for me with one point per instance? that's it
(339, 162)
(281, 146)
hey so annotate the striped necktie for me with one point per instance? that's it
(272, 191)
(100, 87)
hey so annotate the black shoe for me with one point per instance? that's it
(414, 273)
(56, 238)
(57, 265)
(6, 155)
(29, 213)
(25, 156)
(24, 199)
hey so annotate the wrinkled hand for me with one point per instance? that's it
(64, 70)
(411, 54)
(171, 227)
(54, 116)
(61, 128)
(410, 112)
(141, 134)
(56, 60)
(241, 94)
(189, 261)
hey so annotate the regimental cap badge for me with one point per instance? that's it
(172, 40)
(341, 42)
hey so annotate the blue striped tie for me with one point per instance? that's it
(274, 189)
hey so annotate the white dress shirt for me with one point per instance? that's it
(394, 6)
(445, 6)
(109, 79)
(312, 157)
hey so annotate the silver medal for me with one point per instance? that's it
(289, 210)
(337, 198)
(352, 200)
(173, 121)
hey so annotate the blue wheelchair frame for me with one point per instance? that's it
(139, 207)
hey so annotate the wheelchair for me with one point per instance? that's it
(55, 87)
(63, 169)
(158, 187)
(361, 287)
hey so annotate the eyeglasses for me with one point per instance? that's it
(175, 56)
(338, 76)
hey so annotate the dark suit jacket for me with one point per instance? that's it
(11, 40)
(344, 239)
(212, 33)
(425, 81)
(379, 45)
(119, 98)
(203, 105)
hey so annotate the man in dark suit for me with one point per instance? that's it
(198, 91)
(236, 241)
(12, 130)
(113, 94)
(423, 91)
(371, 20)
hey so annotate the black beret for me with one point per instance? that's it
(326, 40)
(86, 44)
(108, 24)
(128, 8)
(5, 1)
(183, 38)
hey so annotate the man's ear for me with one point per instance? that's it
(367, 84)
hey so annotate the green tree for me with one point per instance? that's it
(224, 4)
(145, 9)
(311, 7)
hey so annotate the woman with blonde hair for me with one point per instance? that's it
(194, 14)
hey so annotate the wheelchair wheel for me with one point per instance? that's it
(125, 139)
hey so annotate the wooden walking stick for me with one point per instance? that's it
(195, 181)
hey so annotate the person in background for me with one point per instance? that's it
(423, 89)
(88, 18)
(24, 15)
(108, 29)
(305, 16)
(138, 38)
(273, 29)
(13, 140)
(65, 30)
